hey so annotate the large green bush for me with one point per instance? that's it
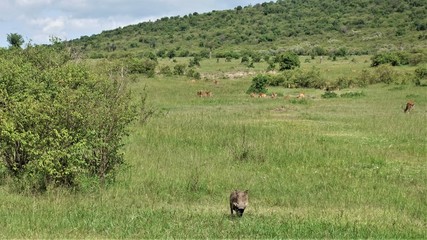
(259, 84)
(59, 122)
(288, 61)
(393, 58)
(298, 79)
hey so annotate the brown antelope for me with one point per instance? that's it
(409, 106)
(301, 96)
(262, 95)
(273, 95)
(203, 93)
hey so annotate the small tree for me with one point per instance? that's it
(179, 69)
(259, 84)
(288, 61)
(15, 40)
(194, 62)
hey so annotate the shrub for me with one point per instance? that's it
(329, 94)
(364, 78)
(259, 84)
(245, 59)
(394, 58)
(194, 62)
(193, 74)
(384, 74)
(309, 79)
(302, 101)
(142, 66)
(288, 61)
(166, 70)
(60, 122)
(420, 74)
(179, 69)
(277, 80)
(417, 58)
(352, 94)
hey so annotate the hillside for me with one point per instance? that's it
(322, 26)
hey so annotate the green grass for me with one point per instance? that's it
(318, 168)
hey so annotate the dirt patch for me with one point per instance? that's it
(229, 75)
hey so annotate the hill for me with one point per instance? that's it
(318, 27)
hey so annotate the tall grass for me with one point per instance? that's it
(327, 168)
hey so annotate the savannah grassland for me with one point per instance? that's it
(315, 168)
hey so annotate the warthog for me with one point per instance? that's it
(238, 202)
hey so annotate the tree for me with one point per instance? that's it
(288, 61)
(15, 40)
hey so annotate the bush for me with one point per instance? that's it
(420, 74)
(60, 122)
(288, 61)
(142, 66)
(277, 80)
(344, 82)
(394, 58)
(329, 94)
(179, 69)
(245, 59)
(352, 94)
(166, 70)
(194, 62)
(384, 74)
(309, 79)
(193, 74)
(259, 84)
(364, 78)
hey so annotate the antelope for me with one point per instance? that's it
(203, 93)
(409, 106)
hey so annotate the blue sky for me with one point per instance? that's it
(38, 20)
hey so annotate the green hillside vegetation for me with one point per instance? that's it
(318, 27)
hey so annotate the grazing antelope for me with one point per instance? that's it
(301, 96)
(409, 106)
(262, 95)
(273, 95)
(254, 95)
(203, 93)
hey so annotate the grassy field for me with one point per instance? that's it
(315, 168)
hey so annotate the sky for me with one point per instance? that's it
(37, 21)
